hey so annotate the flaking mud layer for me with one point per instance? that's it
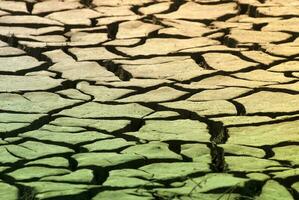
(149, 99)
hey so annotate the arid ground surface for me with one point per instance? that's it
(149, 100)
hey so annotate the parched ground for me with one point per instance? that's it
(149, 100)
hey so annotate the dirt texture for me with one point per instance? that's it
(149, 100)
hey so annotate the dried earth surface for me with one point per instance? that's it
(149, 100)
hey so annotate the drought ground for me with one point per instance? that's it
(149, 99)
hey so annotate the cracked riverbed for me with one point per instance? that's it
(149, 99)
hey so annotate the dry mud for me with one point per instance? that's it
(149, 99)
